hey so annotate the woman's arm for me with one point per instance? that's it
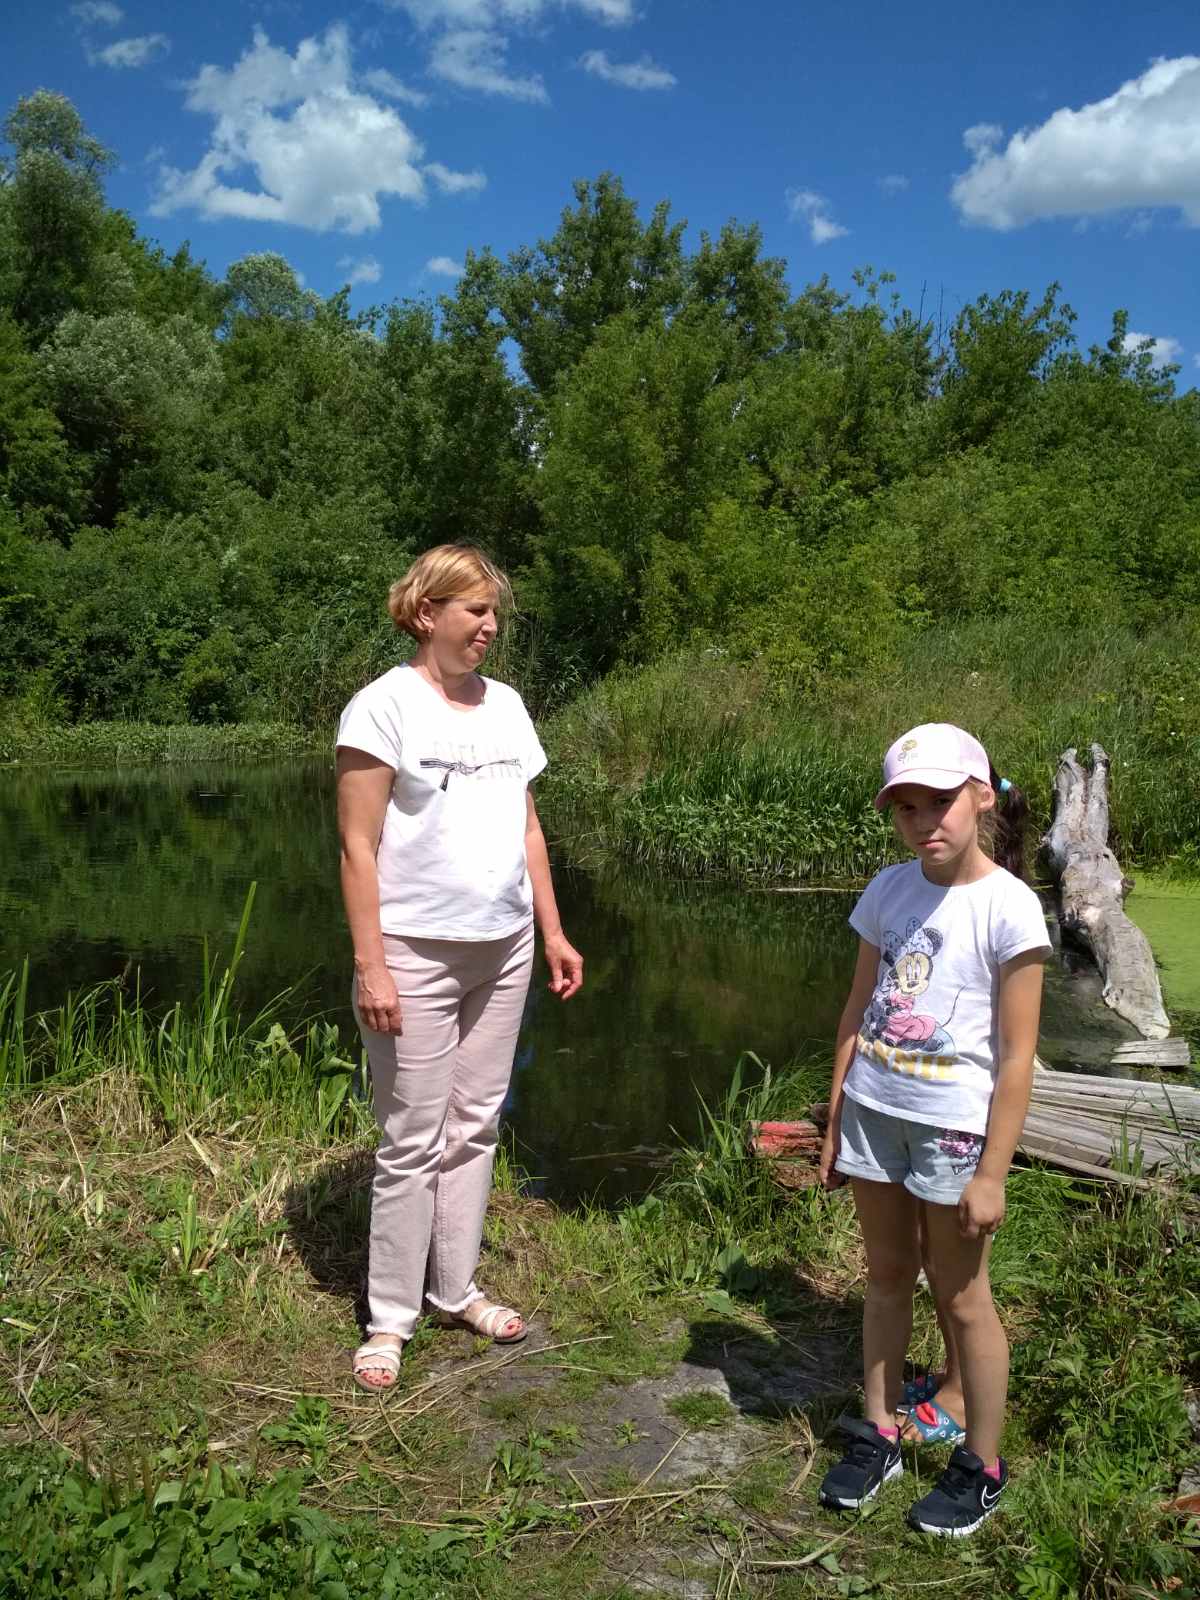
(564, 961)
(364, 784)
(981, 1208)
(862, 987)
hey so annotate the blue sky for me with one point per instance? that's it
(963, 148)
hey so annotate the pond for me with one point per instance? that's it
(111, 873)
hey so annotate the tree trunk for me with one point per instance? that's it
(1091, 892)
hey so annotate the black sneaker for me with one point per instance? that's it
(870, 1461)
(962, 1499)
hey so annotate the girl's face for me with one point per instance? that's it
(940, 826)
(460, 629)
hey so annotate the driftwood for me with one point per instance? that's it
(1091, 891)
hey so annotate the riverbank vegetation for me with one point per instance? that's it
(763, 510)
(702, 764)
(183, 1234)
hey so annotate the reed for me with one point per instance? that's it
(704, 765)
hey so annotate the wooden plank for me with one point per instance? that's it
(1074, 1164)
(1153, 1053)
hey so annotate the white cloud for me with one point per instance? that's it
(98, 13)
(1139, 148)
(469, 42)
(450, 182)
(1163, 352)
(445, 267)
(473, 58)
(139, 52)
(805, 206)
(390, 87)
(982, 136)
(894, 183)
(295, 139)
(643, 74)
(366, 270)
(497, 13)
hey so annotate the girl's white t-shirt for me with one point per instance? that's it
(929, 1040)
(451, 856)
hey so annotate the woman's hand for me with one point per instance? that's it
(378, 1002)
(981, 1207)
(831, 1178)
(565, 963)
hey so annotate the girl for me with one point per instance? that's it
(444, 871)
(931, 1082)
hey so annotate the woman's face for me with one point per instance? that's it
(461, 629)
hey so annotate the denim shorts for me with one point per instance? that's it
(935, 1164)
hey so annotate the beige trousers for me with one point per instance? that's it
(439, 1087)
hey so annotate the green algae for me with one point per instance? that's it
(1168, 913)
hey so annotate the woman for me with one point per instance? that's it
(444, 869)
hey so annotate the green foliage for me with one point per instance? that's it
(703, 764)
(206, 487)
(65, 1535)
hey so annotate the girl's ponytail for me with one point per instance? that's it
(1011, 819)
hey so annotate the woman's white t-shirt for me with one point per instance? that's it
(451, 856)
(929, 1039)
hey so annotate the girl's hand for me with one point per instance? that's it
(981, 1207)
(830, 1177)
(378, 1002)
(565, 963)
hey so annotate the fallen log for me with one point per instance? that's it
(1123, 1130)
(1091, 894)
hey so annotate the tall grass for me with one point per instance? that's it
(198, 1066)
(1097, 1286)
(702, 764)
(26, 742)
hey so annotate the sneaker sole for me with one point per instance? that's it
(834, 1504)
(952, 1533)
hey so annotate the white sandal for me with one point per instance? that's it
(385, 1356)
(486, 1319)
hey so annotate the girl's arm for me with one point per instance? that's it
(564, 961)
(364, 784)
(981, 1207)
(862, 987)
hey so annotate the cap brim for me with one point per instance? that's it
(927, 777)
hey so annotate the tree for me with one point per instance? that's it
(38, 474)
(265, 285)
(51, 210)
(136, 399)
(1001, 347)
(601, 263)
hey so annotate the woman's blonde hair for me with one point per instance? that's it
(447, 572)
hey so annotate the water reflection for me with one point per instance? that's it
(117, 872)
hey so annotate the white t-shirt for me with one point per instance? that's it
(451, 856)
(930, 1037)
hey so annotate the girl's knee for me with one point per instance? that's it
(892, 1278)
(970, 1308)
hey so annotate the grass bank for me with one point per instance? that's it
(700, 764)
(117, 744)
(183, 1208)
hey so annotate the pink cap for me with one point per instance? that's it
(936, 755)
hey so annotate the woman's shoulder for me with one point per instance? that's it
(389, 685)
(383, 697)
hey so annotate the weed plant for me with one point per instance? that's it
(183, 1214)
(31, 741)
(703, 764)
